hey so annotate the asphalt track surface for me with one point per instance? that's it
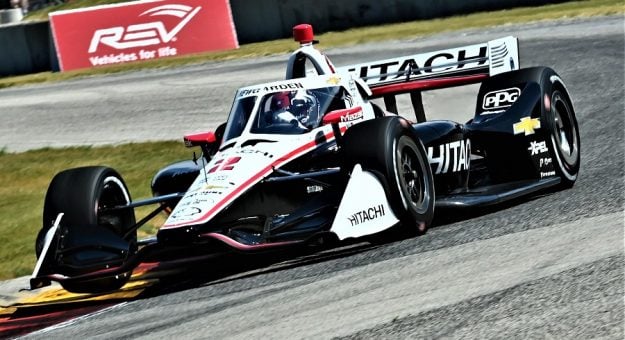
(547, 267)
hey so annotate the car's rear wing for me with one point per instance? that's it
(434, 70)
(456, 66)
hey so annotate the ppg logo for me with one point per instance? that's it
(500, 98)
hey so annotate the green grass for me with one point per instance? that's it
(345, 38)
(42, 14)
(25, 176)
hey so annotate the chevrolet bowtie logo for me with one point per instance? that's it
(527, 125)
(334, 80)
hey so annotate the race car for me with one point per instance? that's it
(312, 159)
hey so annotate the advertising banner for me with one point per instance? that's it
(141, 30)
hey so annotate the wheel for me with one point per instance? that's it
(559, 116)
(388, 147)
(557, 133)
(83, 194)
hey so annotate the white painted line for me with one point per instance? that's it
(74, 320)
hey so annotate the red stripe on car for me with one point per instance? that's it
(251, 181)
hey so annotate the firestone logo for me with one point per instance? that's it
(140, 35)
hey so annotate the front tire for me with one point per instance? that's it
(559, 130)
(388, 148)
(83, 195)
(563, 139)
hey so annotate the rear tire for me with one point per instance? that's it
(389, 148)
(82, 194)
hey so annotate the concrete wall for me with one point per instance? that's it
(10, 15)
(26, 48)
(259, 20)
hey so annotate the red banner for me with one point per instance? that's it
(142, 30)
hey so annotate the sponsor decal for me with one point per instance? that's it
(251, 151)
(222, 165)
(204, 191)
(272, 88)
(207, 178)
(422, 65)
(547, 174)
(351, 117)
(527, 126)
(334, 80)
(219, 178)
(213, 186)
(313, 188)
(187, 211)
(212, 192)
(140, 30)
(501, 98)
(451, 157)
(248, 92)
(491, 112)
(195, 196)
(537, 148)
(282, 87)
(366, 215)
(147, 34)
(198, 199)
(545, 162)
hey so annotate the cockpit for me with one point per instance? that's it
(283, 110)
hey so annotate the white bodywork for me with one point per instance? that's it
(213, 191)
(364, 209)
(46, 244)
(503, 55)
(237, 168)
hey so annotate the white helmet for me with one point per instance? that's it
(306, 108)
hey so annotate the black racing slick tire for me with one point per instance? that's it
(83, 196)
(559, 117)
(389, 148)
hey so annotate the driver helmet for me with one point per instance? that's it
(280, 101)
(305, 108)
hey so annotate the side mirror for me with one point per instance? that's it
(208, 141)
(200, 139)
(343, 115)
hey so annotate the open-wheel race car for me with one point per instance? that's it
(312, 158)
